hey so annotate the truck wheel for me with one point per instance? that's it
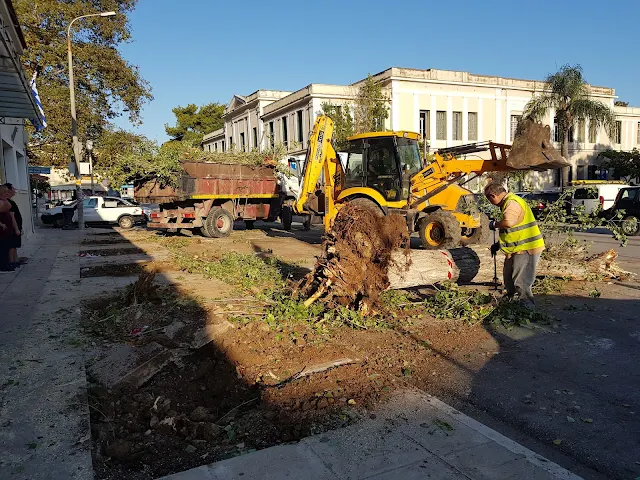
(249, 224)
(307, 222)
(440, 229)
(126, 221)
(219, 223)
(366, 203)
(480, 235)
(286, 215)
(631, 225)
(204, 231)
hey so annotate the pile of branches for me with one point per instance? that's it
(356, 256)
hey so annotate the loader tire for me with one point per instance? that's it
(286, 216)
(440, 229)
(480, 235)
(219, 223)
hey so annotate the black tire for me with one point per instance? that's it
(219, 223)
(440, 229)
(306, 225)
(57, 222)
(203, 230)
(126, 221)
(367, 203)
(631, 225)
(286, 216)
(249, 224)
(480, 235)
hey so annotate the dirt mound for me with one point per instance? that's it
(356, 256)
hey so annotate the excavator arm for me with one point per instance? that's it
(321, 161)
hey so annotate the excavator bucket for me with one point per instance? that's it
(532, 148)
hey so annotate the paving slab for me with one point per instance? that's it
(413, 436)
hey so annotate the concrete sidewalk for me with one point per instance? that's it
(44, 416)
(415, 436)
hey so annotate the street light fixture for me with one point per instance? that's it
(74, 124)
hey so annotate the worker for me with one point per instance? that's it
(520, 240)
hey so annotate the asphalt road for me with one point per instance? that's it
(571, 390)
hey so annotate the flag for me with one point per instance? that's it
(39, 123)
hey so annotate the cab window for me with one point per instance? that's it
(382, 169)
(354, 176)
(90, 202)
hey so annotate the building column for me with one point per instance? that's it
(465, 120)
(416, 113)
(395, 110)
(432, 120)
(480, 137)
(449, 121)
(498, 116)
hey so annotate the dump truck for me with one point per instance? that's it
(385, 172)
(210, 197)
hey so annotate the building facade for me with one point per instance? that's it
(17, 103)
(447, 108)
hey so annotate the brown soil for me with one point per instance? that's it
(356, 255)
(194, 421)
(114, 251)
(104, 241)
(125, 269)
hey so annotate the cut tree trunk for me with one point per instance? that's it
(475, 265)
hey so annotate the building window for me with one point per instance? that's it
(272, 134)
(285, 131)
(581, 127)
(441, 125)
(255, 137)
(556, 132)
(638, 134)
(215, 146)
(593, 132)
(457, 126)
(223, 145)
(618, 132)
(425, 124)
(231, 143)
(472, 124)
(300, 133)
(242, 142)
(515, 121)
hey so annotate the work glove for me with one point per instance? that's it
(495, 248)
(492, 224)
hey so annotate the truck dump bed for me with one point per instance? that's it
(213, 181)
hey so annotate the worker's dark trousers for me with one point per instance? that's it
(519, 274)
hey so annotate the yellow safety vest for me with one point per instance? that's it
(524, 236)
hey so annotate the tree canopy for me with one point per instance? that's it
(366, 113)
(107, 86)
(624, 164)
(567, 94)
(193, 122)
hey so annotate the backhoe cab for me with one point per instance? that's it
(385, 172)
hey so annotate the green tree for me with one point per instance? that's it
(371, 107)
(113, 144)
(107, 86)
(343, 123)
(567, 94)
(624, 164)
(193, 122)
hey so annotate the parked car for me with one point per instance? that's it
(593, 195)
(628, 201)
(99, 210)
(539, 200)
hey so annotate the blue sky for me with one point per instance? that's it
(199, 51)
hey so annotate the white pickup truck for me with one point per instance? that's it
(100, 210)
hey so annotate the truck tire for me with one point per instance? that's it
(203, 230)
(126, 221)
(367, 203)
(286, 215)
(480, 235)
(219, 223)
(440, 229)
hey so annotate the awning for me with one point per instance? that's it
(16, 98)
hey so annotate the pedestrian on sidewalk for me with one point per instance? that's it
(17, 239)
(520, 240)
(8, 228)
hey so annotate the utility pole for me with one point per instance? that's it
(90, 152)
(77, 148)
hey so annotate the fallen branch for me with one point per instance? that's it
(318, 368)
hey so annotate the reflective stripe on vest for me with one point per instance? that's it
(524, 236)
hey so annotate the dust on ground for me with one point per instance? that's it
(230, 375)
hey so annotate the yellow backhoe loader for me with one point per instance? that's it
(386, 173)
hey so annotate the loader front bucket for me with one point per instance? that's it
(532, 148)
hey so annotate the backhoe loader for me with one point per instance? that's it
(385, 172)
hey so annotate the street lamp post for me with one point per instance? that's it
(74, 124)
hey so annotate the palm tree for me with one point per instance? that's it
(567, 93)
